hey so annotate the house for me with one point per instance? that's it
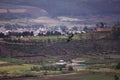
(77, 64)
(61, 62)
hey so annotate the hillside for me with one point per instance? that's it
(73, 12)
(71, 49)
(33, 58)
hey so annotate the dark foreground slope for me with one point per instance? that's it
(63, 48)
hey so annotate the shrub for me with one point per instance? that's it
(28, 74)
(35, 68)
(4, 73)
(70, 68)
(118, 66)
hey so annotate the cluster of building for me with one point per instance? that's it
(76, 64)
(38, 29)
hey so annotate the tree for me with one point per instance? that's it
(75, 28)
(27, 33)
(2, 35)
(116, 77)
(70, 68)
(100, 25)
(63, 28)
(116, 32)
(86, 29)
(31, 33)
(118, 66)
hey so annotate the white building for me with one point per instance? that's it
(61, 62)
(3, 30)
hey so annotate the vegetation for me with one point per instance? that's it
(35, 56)
(12, 60)
(116, 32)
(118, 66)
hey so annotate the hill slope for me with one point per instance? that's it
(75, 47)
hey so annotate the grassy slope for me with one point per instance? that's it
(73, 47)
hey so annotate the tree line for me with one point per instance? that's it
(17, 34)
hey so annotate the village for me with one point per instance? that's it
(59, 39)
(41, 30)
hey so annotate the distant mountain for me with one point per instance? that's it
(72, 7)
(11, 8)
(74, 12)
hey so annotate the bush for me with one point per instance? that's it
(65, 71)
(116, 32)
(28, 74)
(118, 66)
(4, 73)
(70, 68)
(51, 68)
(35, 68)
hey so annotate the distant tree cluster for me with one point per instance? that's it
(49, 68)
(50, 33)
(52, 68)
(100, 25)
(18, 34)
(2, 35)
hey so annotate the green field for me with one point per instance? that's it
(24, 58)
(98, 71)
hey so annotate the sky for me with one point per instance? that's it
(68, 11)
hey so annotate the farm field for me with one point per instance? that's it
(33, 58)
(83, 76)
(9, 70)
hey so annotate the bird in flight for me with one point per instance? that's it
(70, 38)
